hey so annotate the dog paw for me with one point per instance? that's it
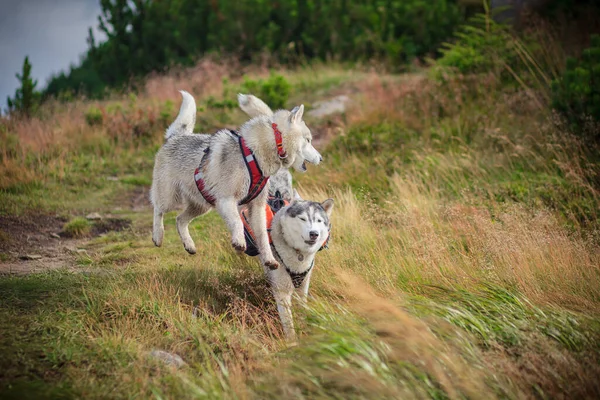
(157, 243)
(272, 264)
(190, 249)
(239, 247)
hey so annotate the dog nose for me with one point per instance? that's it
(313, 234)
(321, 159)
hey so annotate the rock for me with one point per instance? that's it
(333, 106)
(168, 358)
(112, 178)
(30, 257)
(93, 216)
(55, 235)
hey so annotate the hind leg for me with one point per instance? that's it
(158, 229)
(183, 220)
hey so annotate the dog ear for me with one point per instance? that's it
(296, 196)
(328, 206)
(253, 106)
(296, 115)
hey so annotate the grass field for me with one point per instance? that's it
(464, 261)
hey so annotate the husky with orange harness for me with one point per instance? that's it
(297, 229)
(226, 170)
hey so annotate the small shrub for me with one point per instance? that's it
(481, 45)
(94, 116)
(229, 104)
(274, 91)
(576, 94)
(77, 227)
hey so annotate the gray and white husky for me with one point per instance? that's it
(224, 170)
(298, 231)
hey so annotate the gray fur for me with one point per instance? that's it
(289, 234)
(281, 182)
(225, 173)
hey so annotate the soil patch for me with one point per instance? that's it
(34, 243)
(110, 224)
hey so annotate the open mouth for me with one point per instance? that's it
(311, 242)
(304, 165)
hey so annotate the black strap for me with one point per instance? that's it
(297, 277)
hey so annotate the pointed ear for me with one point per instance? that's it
(253, 106)
(296, 115)
(296, 196)
(328, 206)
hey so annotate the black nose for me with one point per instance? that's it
(320, 158)
(313, 234)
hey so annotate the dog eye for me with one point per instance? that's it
(319, 221)
(308, 140)
(302, 219)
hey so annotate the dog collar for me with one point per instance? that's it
(279, 141)
(296, 277)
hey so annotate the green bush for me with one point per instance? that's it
(576, 94)
(228, 104)
(480, 46)
(274, 91)
(93, 116)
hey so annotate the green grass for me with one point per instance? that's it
(77, 227)
(463, 264)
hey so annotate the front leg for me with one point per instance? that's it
(284, 308)
(258, 223)
(228, 210)
(302, 291)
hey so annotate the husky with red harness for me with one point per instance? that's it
(297, 230)
(198, 172)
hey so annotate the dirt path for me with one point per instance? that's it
(35, 243)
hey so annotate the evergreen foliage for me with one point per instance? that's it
(26, 99)
(150, 35)
(576, 94)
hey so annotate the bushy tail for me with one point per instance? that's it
(186, 120)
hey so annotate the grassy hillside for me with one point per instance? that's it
(464, 261)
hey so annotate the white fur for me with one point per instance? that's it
(290, 234)
(225, 173)
(186, 119)
(255, 107)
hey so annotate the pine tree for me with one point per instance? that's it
(26, 97)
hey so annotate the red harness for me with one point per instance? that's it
(257, 180)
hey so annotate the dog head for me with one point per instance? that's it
(297, 137)
(306, 151)
(305, 224)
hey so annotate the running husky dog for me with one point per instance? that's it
(298, 230)
(225, 170)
